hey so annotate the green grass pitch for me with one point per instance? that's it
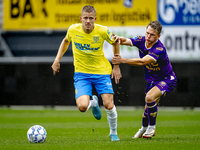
(73, 130)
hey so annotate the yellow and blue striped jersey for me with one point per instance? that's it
(88, 49)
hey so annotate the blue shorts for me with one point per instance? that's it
(84, 82)
(166, 86)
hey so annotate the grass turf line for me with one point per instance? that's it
(76, 130)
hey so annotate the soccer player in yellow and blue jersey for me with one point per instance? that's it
(91, 66)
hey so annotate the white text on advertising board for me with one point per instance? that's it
(179, 12)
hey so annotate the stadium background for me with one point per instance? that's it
(31, 32)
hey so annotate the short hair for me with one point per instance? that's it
(89, 9)
(155, 25)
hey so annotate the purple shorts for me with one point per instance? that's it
(166, 86)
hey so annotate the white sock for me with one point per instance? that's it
(92, 103)
(144, 128)
(112, 120)
(153, 126)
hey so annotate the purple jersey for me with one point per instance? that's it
(159, 70)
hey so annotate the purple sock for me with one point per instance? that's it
(145, 119)
(152, 112)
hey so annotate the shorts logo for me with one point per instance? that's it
(109, 83)
(162, 83)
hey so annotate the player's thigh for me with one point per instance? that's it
(83, 101)
(153, 94)
(107, 100)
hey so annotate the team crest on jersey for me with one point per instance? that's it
(139, 37)
(159, 48)
(96, 39)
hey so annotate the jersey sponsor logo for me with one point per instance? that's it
(179, 12)
(153, 54)
(80, 36)
(153, 67)
(81, 46)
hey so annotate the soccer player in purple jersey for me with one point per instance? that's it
(159, 74)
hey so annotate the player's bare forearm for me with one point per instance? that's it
(125, 41)
(116, 48)
(122, 40)
(116, 73)
(133, 62)
(117, 59)
(62, 49)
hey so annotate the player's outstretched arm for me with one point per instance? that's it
(117, 59)
(122, 40)
(61, 51)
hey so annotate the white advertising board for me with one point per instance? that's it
(182, 43)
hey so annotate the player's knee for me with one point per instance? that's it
(108, 106)
(149, 98)
(82, 108)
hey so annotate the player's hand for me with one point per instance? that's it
(117, 38)
(116, 73)
(55, 67)
(117, 59)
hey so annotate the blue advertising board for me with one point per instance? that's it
(179, 12)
